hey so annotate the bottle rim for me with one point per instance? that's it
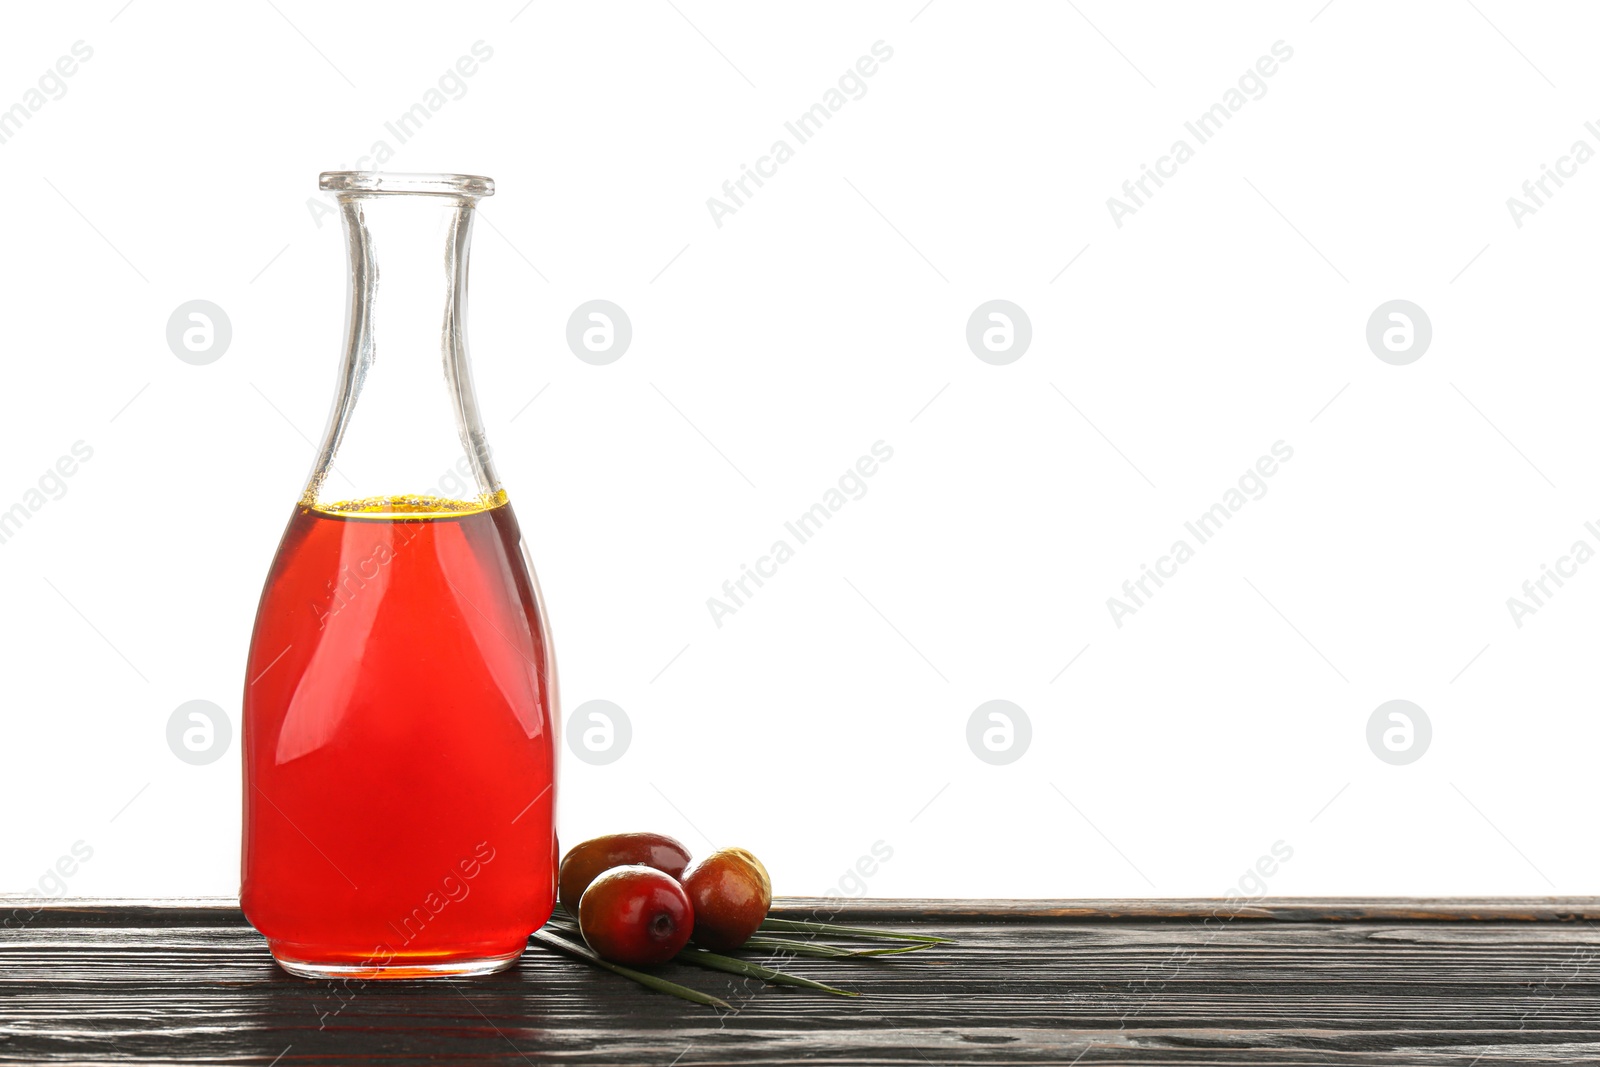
(371, 181)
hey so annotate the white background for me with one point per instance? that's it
(827, 314)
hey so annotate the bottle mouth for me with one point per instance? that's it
(370, 181)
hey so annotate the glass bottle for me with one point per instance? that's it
(400, 696)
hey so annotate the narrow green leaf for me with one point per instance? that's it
(704, 958)
(850, 931)
(896, 951)
(817, 948)
(649, 981)
(799, 948)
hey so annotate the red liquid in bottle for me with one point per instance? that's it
(398, 743)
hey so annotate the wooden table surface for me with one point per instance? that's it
(1457, 982)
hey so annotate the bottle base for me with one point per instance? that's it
(398, 969)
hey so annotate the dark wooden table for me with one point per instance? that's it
(1390, 982)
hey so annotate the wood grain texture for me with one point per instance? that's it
(1123, 982)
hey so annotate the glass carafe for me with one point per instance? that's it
(400, 696)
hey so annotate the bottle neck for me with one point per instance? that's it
(404, 434)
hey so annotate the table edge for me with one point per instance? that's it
(16, 911)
